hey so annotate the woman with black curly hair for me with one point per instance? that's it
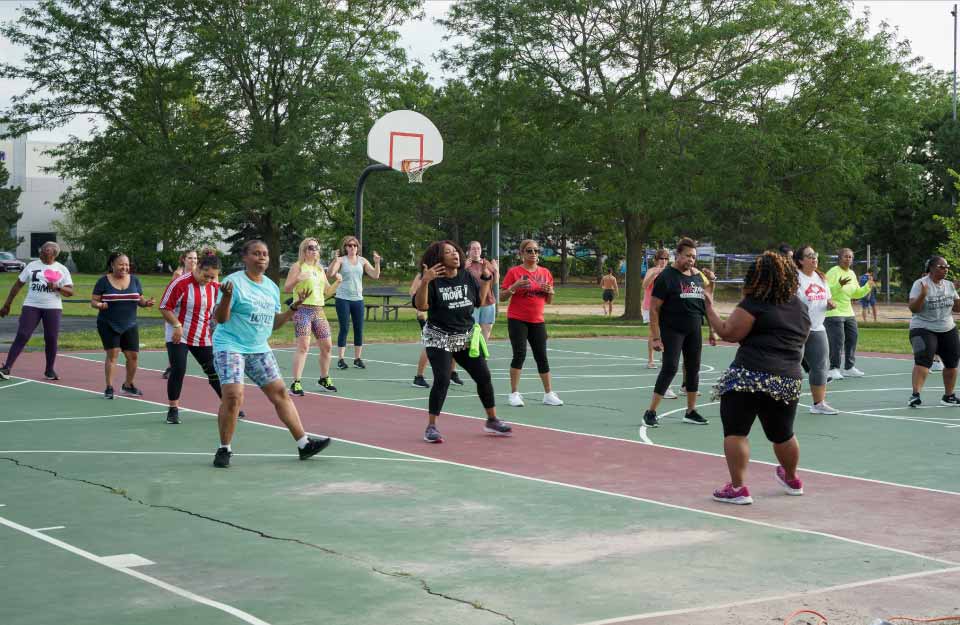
(448, 293)
(771, 324)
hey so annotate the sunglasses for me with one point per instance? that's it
(942, 266)
(312, 248)
(351, 245)
(663, 258)
(531, 250)
(813, 256)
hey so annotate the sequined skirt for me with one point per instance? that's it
(432, 337)
(778, 387)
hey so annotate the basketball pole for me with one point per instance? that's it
(358, 201)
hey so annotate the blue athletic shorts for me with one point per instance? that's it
(485, 314)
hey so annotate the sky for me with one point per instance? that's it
(926, 24)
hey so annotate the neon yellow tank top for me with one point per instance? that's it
(316, 281)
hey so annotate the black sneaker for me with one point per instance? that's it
(296, 388)
(497, 427)
(418, 381)
(314, 446)
(50, 374)
(222, 458)
(131, 390)
(108, 392)
(327, 384)
(5, 373)
(650, 419)
(455, 379)
(914, 401)
(950, 400)
(242, 415)
(341, 364)
(359, 364)
(166, 373)
(173, 415)
(695, 418)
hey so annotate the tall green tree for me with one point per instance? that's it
(9, 216)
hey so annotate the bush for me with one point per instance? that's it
(89, 261)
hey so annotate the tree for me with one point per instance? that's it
(9, 200)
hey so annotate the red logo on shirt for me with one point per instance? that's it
(815, 293)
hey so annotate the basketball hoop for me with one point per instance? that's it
(414, 168)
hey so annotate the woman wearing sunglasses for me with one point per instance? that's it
(933, 301)
(528, 287)
(349, 299)
(306, 275)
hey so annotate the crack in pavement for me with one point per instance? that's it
(122, 492)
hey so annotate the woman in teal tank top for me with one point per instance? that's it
(349, 299)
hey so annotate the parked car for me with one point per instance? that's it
(9, 262)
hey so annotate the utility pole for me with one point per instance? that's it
(954, 14)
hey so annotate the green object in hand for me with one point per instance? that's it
(478, 345)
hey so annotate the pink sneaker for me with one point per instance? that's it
(729, 494)
(790, 487)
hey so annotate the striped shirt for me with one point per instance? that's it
(121, 311)
(193, 305)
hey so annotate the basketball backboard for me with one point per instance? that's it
(405, 141)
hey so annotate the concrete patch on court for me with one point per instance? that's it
(466, 507)
(588, 547)
(356, 487)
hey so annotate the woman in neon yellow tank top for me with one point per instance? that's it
(307, 275)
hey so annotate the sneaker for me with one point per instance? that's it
(50, 374)
(551, 399)
(173, 415)
(950, 400)
(497, 427)
(166, 374)
(242, 415)
(729, 494)
(130, 390)
(914, 401)
(650, 419)
(936, 366)
(222, 458)
(790, 487)
(834, 374)
(432, 435)
(5, 373)
(515, 400)
(652, 365)
(853, 372)
(823, 408)
(296, 388)
(327, 384)
(695, 418)
(359, 364)
(108, 392)
(420, 382)
(314, 446)
(341, 364)
(668, 394)
(455, 379)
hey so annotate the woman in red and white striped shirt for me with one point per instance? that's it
(187, 305)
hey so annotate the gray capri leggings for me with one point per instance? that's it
(816, 353)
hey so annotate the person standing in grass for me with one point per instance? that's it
(813, 291)
(349, 298)
(247, 313)
(610, 289)
(187, 263)
(528, 287)
(49, 281)
(307, 275)
(869, 303)
(933, 331)
(117, 295)
(765, 379)
(841, 322)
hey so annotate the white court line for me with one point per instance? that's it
(793, 595)
(6, 386)
(864, 413)
(698, 511)
(105, 561)
(106, 416)
(47, 529)
(197, 453)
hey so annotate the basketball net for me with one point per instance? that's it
(414, 168)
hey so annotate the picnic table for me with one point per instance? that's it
(401, 297)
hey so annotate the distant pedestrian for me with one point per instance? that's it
(869, 303)
(611, 289)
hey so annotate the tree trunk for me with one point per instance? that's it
(599, 269)
(271, 236)
(636, 227)
(563, 259)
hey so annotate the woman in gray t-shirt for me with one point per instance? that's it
(933, 301)
(349, 298)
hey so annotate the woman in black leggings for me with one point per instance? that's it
(676, 315)
(448, 293)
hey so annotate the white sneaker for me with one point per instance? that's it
(936, 366)
(551, 399)
(823, 408)
(834, 374)
(669, 394)
(852, 372)
(516, 400)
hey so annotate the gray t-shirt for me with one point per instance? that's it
(937, 312)
(351, 288)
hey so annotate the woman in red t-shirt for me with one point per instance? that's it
(528, 287)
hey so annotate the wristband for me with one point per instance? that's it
(486, 278)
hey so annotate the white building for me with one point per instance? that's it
(25, 161)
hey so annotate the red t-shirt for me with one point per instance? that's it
(193, 305)
(527, 304)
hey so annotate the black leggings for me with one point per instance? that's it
(520, 333)
(177, 353)
(441, 361)
(688, 342)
